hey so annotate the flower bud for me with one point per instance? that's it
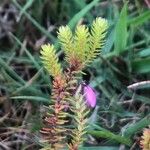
(90, 95)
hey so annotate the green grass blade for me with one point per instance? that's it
(72, 23)
(112, 54)
(17, 79)
(31, 98)
(100, 148)
(142, 18)
(81, 5)
(39, 27)
(12, 73)
(138, 126)
(111, 136)
(141, 65)
(144, 53)
(109, 42)
(121, 31)
(35, 63)
(26, 6)
(28, 84)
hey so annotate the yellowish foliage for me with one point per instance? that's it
(98, 32)
(81, 48)
(50, 60)
(66, 39)
(81, 42)
(85, 44)
(80, 110)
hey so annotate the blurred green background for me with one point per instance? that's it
(121, 113)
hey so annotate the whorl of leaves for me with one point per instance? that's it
(80, 110)
(85, 43)
(50, 60)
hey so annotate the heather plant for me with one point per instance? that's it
(72, 100)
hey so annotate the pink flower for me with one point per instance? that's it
(90, 95)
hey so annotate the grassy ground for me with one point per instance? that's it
(122, 111)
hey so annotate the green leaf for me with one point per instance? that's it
(26, 6)
(138, 126)
(144, 53)
(81, 5)
(142, 18)
(109, 135)
(72, 23)
(34, 22)
(109, 42)
(141, 65)
(35, 63)
(121, 31)
(11, 72)
(32, 98)
(100, 148)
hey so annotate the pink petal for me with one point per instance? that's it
(90, 96)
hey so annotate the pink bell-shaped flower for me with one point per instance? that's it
(90, 95)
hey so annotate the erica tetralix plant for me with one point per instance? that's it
(68, 95)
